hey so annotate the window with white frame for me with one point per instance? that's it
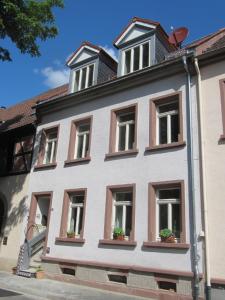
(84, 78)
(50, 147)
(168, 123)
(122, 211)
(76, 210)
(82, 140)
(168, 210)
(136, 58)
(125, 131)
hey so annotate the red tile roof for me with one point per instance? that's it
(21, 114)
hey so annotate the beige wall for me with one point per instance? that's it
(215, 165)
(13, 191)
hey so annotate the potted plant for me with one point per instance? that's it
(70, 234)
(39, 273)
(167, 236)
(118, 234)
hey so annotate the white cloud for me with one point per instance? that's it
(55, 77)
(36, 71)
(112, 52)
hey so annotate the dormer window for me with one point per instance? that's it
(136, 58)
(84, 78)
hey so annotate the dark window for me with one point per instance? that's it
(22, 154)
(169, 286)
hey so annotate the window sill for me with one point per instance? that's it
(76, 161)
(165, 146)
(70, 240)
(118, 242)
(222, 137)
(166, 245)
(45, 166)
(121, 153)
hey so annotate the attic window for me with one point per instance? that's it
(84, 78)
(136, 58)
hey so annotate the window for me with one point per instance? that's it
(136, 58)
(73, 215)
(80, 138)
(22, 154)
(120, 213)
(84, 78)
(166, 124)
(169, 286)
(76, 210)
(123, 130)
(166, 210)
(48, 147)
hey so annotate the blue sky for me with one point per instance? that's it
(98, 22)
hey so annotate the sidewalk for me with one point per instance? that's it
(50, 289)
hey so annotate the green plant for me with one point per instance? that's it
(165, 233)
(118, 232)
(39, 269)
(70, 234)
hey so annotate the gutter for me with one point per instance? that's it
(203, 175)
(191, 181)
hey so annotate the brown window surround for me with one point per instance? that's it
(41, 154)
(107, 240)
(64, 219)
(152, 124)
(113, 128)
(152, 189)
(222, 93)
(72, 143)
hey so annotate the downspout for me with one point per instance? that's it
(204, 193)
(191, 181)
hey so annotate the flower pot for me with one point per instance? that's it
(70, 235)
(169, 239)
(118, 237)
(40, 275)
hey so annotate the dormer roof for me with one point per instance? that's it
(88, 50)
(137, 27)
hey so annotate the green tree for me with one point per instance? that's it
(25, 22)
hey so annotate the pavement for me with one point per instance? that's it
(14, 287)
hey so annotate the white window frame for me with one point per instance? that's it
(167, 114)
(127, 125)
(84, 134)
(78, 206)
(87, 67)
(124, 204)
(132, 57)
(169, 202)
(54, 143)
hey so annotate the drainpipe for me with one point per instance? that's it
(204, 193)
(191, 181)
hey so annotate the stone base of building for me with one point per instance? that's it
(156, 285)
(6, 264)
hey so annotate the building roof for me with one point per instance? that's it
(21, 114)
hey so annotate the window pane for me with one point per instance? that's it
(126, 117)
(52, 135)
(122, 138)
(163, 216)
(136, 58)
(174, 128)
(168, 107)
(87, 144)
(131, 136)
(163, 130)
(28, 161)
(48, 153)
(128, 220)
(84, 127)
(83, 79)
(176, 219)
(77, 78)
(80, 141)
(73, 219)
(127, 62)
(118, 216)
(126, 196)
(169, 194)
(80, 220)
(91, 75)
(18, 164)
(77, 199)
(146, 55)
